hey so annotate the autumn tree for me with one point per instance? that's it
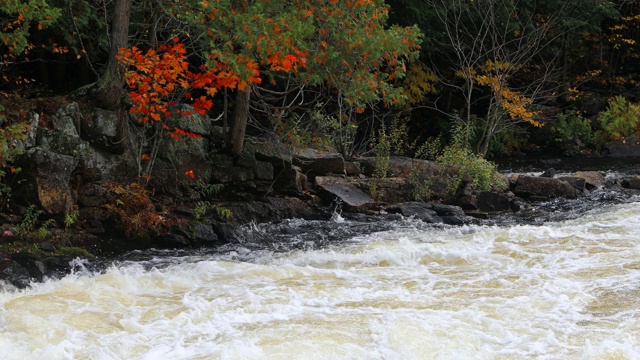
(340, 47)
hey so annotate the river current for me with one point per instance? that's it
(400, 290)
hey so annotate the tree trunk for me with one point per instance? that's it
(240, 117)
(112, 81)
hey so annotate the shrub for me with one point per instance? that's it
(135, 211)
(571, 126)
(620, 120)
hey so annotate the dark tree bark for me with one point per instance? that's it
(239, 125)
(111, 83)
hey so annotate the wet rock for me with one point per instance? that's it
(543, 188)
(631, 183)
(203, 233)
(315, 163)
(593, 179)
(550, 172)
(491, 201)
(418, 210)
(337, 187)
(576, 182)
(47, 176)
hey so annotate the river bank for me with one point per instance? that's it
(59, 250)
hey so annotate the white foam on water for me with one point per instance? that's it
(566, 290)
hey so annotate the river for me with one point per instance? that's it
(401, 290)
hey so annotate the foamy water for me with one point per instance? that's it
(566, 290)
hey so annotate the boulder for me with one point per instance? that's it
(631, 183)
(315, 163)
(423, 173)
(271, 150)
(263, 170)
(593, 179)
(626, 148)
(576, 182)
(417, 210)
(491, 201)
(339, 188)
(352, 168)
(541, 187)
(390, 190)
(47, 176)
(105, 129)
(290, 180)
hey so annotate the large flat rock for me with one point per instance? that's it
(340, 188)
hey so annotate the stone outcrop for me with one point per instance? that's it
(47, 177)
(314, 162)
(338, 187)
(543, 188)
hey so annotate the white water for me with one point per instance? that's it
(566, 290)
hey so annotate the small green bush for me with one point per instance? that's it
(572, 125)
(621, 119)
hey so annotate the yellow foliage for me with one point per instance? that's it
(494, 75)
(418, 82)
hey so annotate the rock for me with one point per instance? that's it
(47, 176)
(263, 170)
(540, 187)
(195, 123)
(226, 174)
(63, 138)
(631, 183)
(337, 187)
(627, 148)
(391, 190)
(352, 168)
(491, 201)
(419, 172)
(271, 151)
(288, 180)
(316, 163)
(105, 129)
(465, 201)
(593, 179)
(418, 210)
(550, 172)
(452, 215)
(203, 233)
(577, 183)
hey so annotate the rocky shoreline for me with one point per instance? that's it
(76, 162)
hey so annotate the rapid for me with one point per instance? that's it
(345, 289)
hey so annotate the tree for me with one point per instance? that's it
(111, 84)
(342, 48)
(497, 59)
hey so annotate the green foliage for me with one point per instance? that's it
(482, 172)
(31, 226)
(16, 19)
(392, 141)
(71, 218)
(620, 120)
(340, 132)
(203, 207)
(346, 46)
(570, 126)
